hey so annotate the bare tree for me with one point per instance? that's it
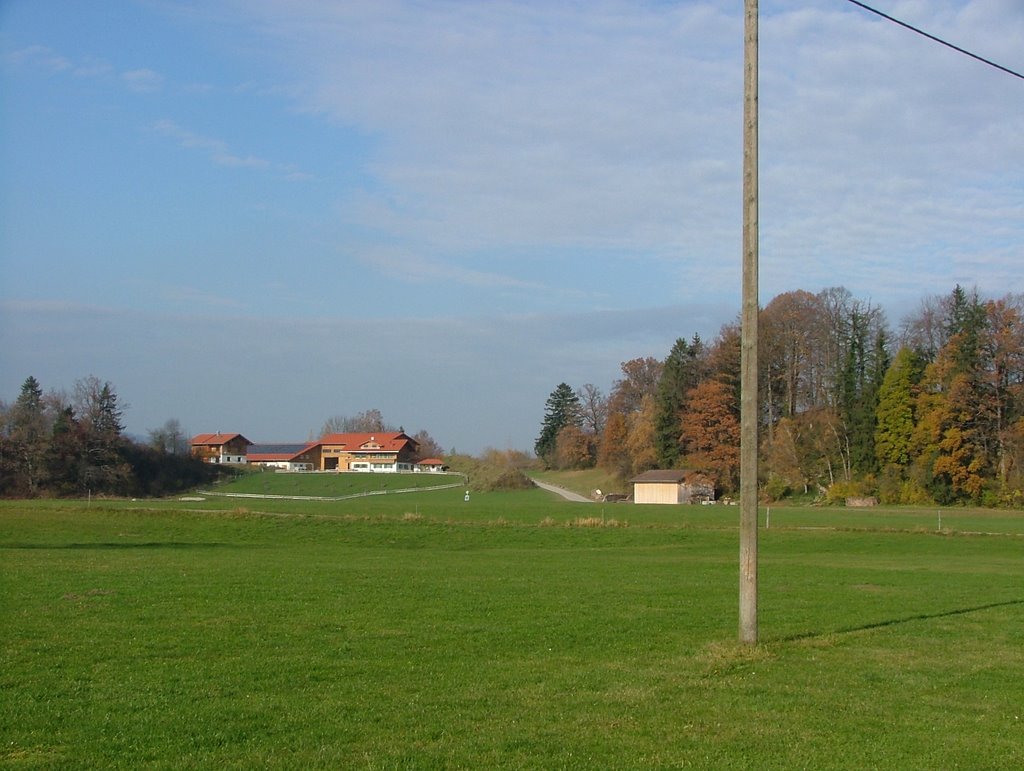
(925, 332)
(428, 448)
(365, 422)
(593, 408)
(169, 438)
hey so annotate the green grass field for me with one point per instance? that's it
(512, 631)
(331, 485)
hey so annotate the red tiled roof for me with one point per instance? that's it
(216, 439)
(389, 442)
(430, 462)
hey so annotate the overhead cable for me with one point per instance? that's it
(937, 40)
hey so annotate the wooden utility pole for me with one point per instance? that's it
(748, 359)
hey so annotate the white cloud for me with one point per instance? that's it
(142, 80)
(405, 266)
(39, 57)
(219, 152)
(522, 156)
(525, 124)
(616, 126)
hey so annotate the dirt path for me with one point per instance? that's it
(567, 494)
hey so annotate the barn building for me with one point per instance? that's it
(672, 486)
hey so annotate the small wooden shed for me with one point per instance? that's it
(672, 486)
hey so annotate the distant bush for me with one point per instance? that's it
(494, 470)
(838, 492)
(776, 488)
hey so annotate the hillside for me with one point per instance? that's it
(584, 481)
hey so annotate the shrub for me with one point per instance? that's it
(493, 471)
(776, 488)
(890, 485)
(914, 494)
(838, 492)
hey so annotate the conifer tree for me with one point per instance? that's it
(683, 370)
(561, 409)
(27, 436)
(955, 436)
(102, 466)
(670, 401)
(895, 414)
(66, 451)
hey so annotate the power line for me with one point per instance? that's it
(938, 40)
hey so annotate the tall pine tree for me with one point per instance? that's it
(27, 437)
(561, 409)
(682, 371)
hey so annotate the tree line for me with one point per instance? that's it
(60, 444)
(932, 412)
(55, 444)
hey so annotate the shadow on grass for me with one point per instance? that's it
(898, 621)
(106, 545)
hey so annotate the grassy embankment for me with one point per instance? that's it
(329, 485)
(423, 631)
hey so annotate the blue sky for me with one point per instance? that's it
(251, 216)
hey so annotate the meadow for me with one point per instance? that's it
(329, 485)
(514, 630)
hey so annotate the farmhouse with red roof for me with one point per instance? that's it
(380, 451)
(220, 448)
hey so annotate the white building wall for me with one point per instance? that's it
(656, 492)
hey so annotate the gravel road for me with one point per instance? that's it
(567, 494)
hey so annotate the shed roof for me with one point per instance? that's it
(662, 475)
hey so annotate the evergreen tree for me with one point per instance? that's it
(670, 401)
(965, 325)
(894, 428)
(106, 425)
(955, 438)
(67, 444)
(102, 466)
(561, 409)
(683, 371)
(27, 438)
(30, 400)
(858, 389)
